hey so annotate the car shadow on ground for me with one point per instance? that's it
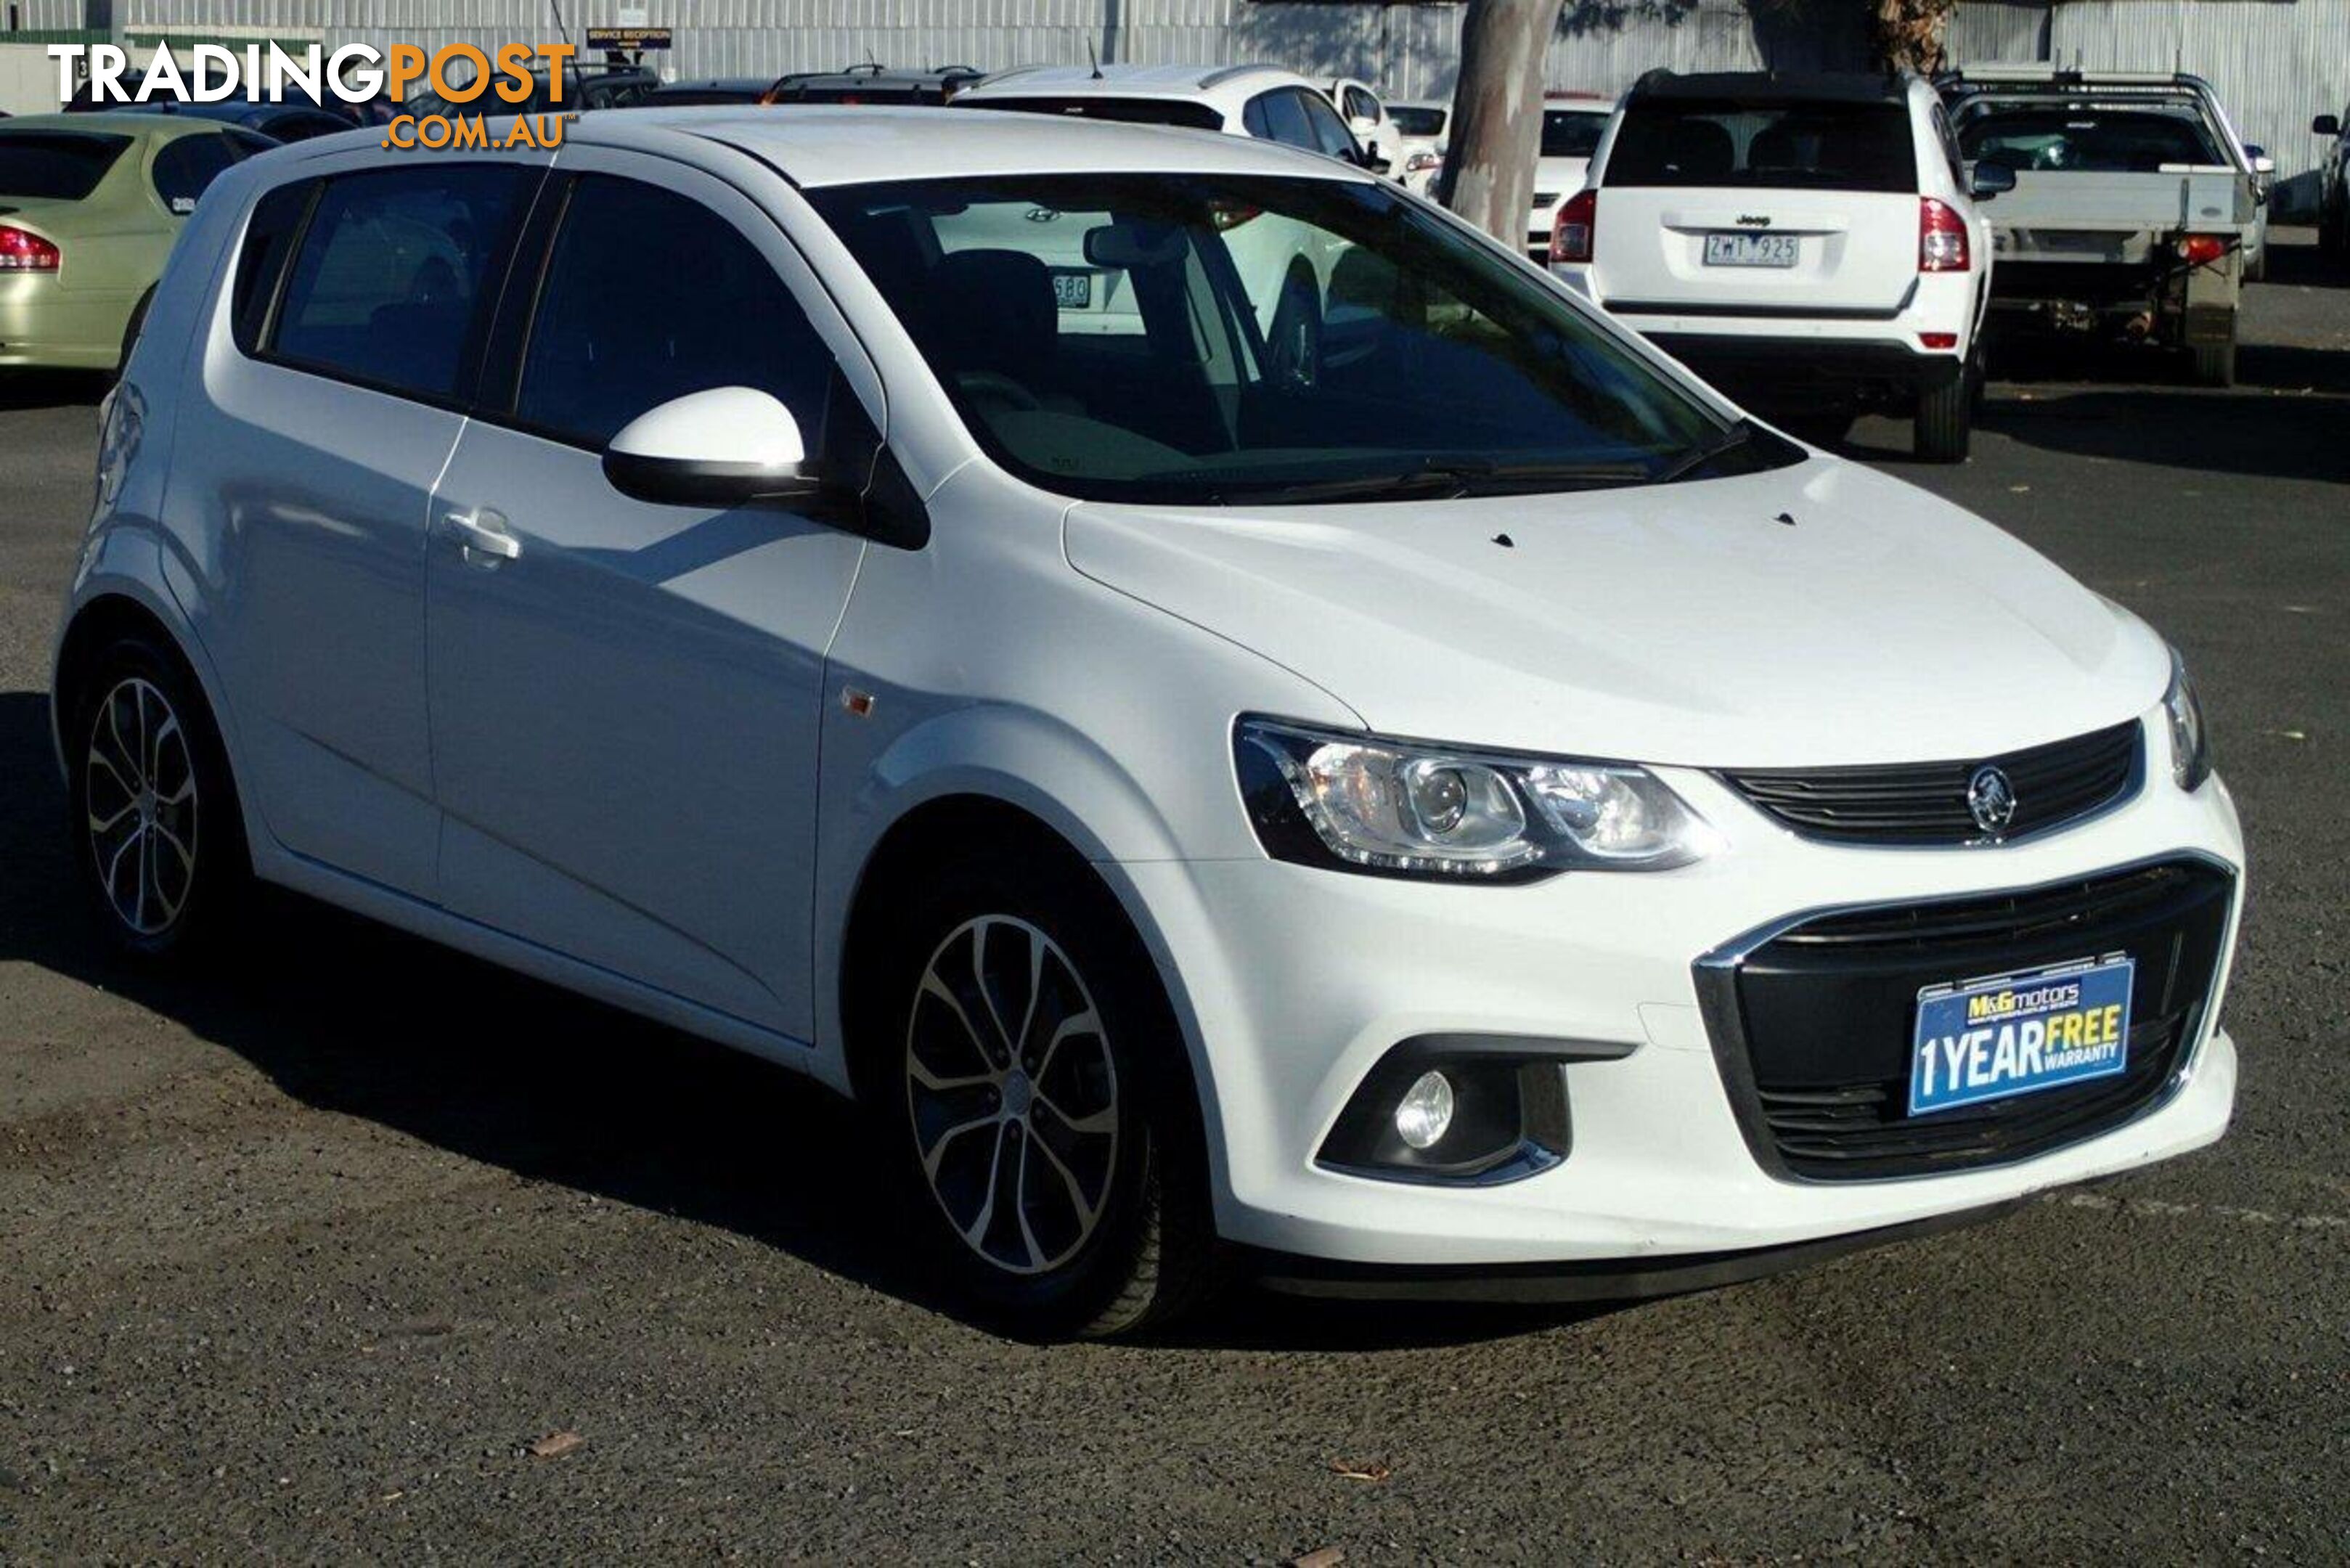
(21, 389)
(348, 1016)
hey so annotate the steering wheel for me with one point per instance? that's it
(999, 386)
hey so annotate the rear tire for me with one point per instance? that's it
(151, 805)
(1056, 1179)
(1945, 420)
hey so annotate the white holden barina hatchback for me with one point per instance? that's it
(1586, 845)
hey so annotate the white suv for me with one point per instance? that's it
(1570, 840)
(1263, 101)
(1809, 244)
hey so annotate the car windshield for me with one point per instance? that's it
(1807, 145)
(1572, 132)
(2087, 138)
(56, 165)
(1198, 339)
(1413, 122)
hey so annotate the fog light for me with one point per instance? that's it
(1424, 1114)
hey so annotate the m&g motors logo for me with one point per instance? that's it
(480, 83)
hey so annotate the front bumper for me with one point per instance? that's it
(1296, 982)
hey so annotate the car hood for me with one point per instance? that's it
(1814, 614)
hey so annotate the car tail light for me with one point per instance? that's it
(1419, 161)
(1939, 339)
(23, 251)
(1578, 226)
(2202, 249)
(1941, 237)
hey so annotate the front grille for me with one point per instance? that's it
(1813, 1028)
(1925, 803)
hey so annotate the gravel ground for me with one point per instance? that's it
(303, 1257)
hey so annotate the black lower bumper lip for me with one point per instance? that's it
(1599, 1280)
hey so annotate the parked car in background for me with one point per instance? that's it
(1419, 827)
(2334, 186)
(2133, 209)
(1376, 132)
(1809, 242)
(708, 90)
(1422, 123)
(1263, 102)
(277, 121)
(584, 89)
(1571, 127)
(874, 84)
(91, 206)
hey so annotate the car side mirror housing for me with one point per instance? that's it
(1985, 180)
(1366, 159)
(2326, 125)
(727, 447)
(2262, 162)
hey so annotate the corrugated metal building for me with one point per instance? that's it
(2276, 62)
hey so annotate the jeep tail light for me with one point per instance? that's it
(2202, 249)
(1578, 221)
(1941, 237)
(23, 252)
(1939, 339)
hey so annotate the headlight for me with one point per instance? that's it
(1406, 808)
(2190, 750)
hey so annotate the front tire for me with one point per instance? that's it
(150, 802)
(1032, 1087)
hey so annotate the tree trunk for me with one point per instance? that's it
(1913, 33)
(1497, 106)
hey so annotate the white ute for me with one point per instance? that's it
(1563, 840)
(1810, 243)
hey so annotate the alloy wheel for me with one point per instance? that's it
(1013, 1094)
(140, 803)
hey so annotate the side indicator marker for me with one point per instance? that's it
(858, 703)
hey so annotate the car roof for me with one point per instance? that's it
(1776, 86)
(824, 145)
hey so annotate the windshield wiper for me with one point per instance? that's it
(1729, 440)
(1446, 480)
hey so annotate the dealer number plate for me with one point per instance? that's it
(1987, 1039)
(1073, 290)
(1751, 250)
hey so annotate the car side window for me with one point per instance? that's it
(1330, 135)
(389, 287)
(1950, 153)
(1278, 116)
(1360, 105)
(650, 295)
(186, 167)
(269, 235)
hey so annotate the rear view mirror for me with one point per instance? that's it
(1985, 180)
(2325, 125)
(1132, 243)
(729, 446)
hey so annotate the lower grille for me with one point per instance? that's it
(1813, 1028)
(1925, 803)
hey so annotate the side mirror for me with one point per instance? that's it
(729, 446)
(1985, 180)
(1366, 159)
(2326, 125)
(2262, 162)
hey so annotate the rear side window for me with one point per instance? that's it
(1800, 146)
(1279, 117)
(393, 269)
(1418, 121)
(1330, 134)
(1125, 110)
(184, 169)
(1361, 104)
(651, 296)
(269, 236)
(56, 165)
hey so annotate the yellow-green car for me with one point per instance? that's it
(89, 207)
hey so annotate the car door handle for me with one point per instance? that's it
(482, 537)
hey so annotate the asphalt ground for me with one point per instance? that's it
(302, 1255)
